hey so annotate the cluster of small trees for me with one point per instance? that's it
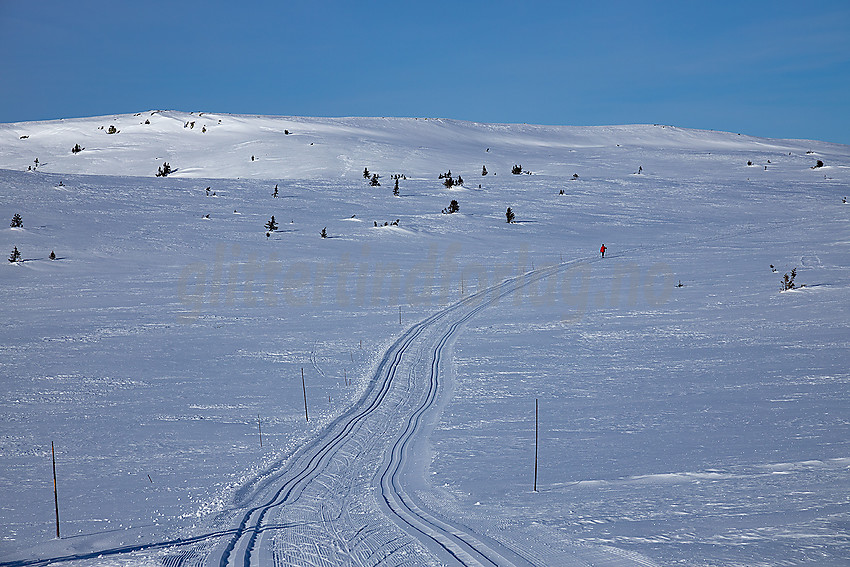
(372, 177)
(16, 256)
(516, 169)
(449, 181)
(112, 129)
(386, 223)
(164, 170)
(452, 208)
(76, 149)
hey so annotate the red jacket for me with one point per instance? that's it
(603, 249)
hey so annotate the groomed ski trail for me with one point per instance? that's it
(342, 500)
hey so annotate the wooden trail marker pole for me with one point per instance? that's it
(399, 314)
(55, 491)
(260, 429)
(536, 428)
(304, 387)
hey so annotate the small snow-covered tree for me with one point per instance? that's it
(483, 170)
(325, 232)
(788, 282)
(112, 129)
(818, 164)
(366, 174)
(76, 149)
(516, 169)
(15, 256)
(17, 221)
(271, 226)
(509, 214)
(52, 255)
(163, 170)
(374, 182)
(395, 188)
(453, 207)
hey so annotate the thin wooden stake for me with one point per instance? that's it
(150, 479)
(55, 490)
(535, 444)
(399, 314)
(304, 387)
(260, 429)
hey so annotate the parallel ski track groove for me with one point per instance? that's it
(391, 491)
(386, 369)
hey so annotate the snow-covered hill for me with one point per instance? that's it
(223, 145)
(690, 413)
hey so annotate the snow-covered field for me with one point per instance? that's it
(702, 424)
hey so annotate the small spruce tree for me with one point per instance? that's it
(788, 282)
(76, 149)
(516, 169)
(17, 221)
(271, 226)
(366, 174)
(509, 214)
(15, 256)
(112, 129)
(483, 170)
(52, 255)
(395, 188)
(325, 232)
(163, 170)
(453, 207)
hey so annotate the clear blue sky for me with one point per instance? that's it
(767, 68)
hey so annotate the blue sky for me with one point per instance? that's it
(777, 69)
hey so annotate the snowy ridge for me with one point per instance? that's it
(214, 145)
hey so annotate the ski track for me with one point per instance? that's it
(305, 534)
(308, 531)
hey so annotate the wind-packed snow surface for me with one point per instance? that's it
(689, 412)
